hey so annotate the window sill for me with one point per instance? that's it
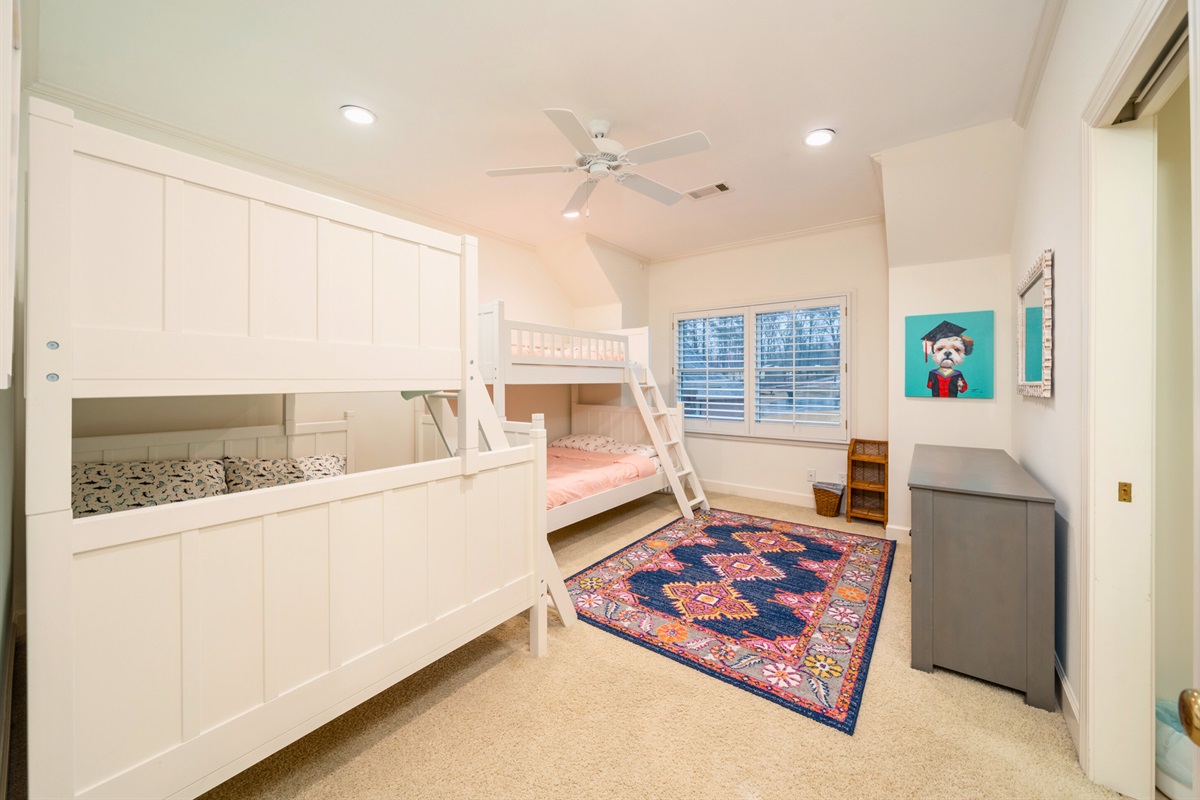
(741, 437)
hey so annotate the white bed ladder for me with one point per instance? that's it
(666, 433)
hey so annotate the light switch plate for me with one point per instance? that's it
(1125, 492)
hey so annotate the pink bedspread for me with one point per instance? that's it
(575, 474)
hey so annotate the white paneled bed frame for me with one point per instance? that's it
(170, 647)
(529, 353)
(512, 352)
(623, 423)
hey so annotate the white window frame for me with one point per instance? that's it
(748, 427)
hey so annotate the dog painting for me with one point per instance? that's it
(949, 355)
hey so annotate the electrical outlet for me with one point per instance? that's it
(842, 478)
(812, 476)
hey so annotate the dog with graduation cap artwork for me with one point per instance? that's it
(948, 345)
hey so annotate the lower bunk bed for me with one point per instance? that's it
(608, 460)
(212, 632)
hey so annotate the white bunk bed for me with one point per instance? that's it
(524, 353)
(170, 647)
(512, 352)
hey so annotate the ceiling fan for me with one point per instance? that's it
(599, 157)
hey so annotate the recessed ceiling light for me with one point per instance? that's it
(358, 114)
(570, 214)
(819, 137)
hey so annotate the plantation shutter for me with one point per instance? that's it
(798, 369)
(772, 371)
(710, 371)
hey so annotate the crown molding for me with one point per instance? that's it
(93, 110)
(616, 248)
(1039, 56)
(779, 237)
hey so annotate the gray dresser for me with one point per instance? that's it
(983, 569)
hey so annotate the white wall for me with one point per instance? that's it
(979, 285)
(1173, 405)
(1047, 435)
(518, 276)
(949, 204)
(629, 278)
(950, 197)
(849, 259)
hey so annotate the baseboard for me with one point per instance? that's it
(1067, 702)
(898, 532)
(758, 493)
(6, 711)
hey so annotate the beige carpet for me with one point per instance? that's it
(601, 717)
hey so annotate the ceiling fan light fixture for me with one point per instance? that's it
(358, 114)
(820, 137)
(570, 214)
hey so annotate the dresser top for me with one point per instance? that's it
(973, 470)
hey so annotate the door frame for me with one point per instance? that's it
(1116, 715)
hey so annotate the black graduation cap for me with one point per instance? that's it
(941, 331)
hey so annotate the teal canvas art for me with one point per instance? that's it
(950, 356)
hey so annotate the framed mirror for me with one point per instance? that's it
(1035, 328)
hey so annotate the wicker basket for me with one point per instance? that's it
(828, 497)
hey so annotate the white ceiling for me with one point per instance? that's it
(459, 87)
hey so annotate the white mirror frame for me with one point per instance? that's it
(1041, 271)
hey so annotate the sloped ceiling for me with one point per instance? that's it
(460, 86)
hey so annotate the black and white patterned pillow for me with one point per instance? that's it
(246, 474)
(102, 488)
(317, 467)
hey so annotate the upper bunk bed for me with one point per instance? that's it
(512, 352)
(218, 630)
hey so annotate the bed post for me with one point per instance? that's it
(502, 341)
(537, 614)
(50, 600)
(468, 340)
(551, 574)
(289, 414)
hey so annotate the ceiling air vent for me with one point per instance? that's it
(708, 191)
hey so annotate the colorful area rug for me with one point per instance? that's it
(783, 610)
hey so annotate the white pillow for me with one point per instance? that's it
(625, 448)
(592, 442)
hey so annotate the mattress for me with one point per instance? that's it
(575, 474)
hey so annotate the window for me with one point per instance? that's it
(773, 371)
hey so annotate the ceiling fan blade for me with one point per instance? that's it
(579, 198)
(497, 173)
(573, 129)
(692, 142)
(652, 189)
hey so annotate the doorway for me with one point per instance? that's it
(1140, 555)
